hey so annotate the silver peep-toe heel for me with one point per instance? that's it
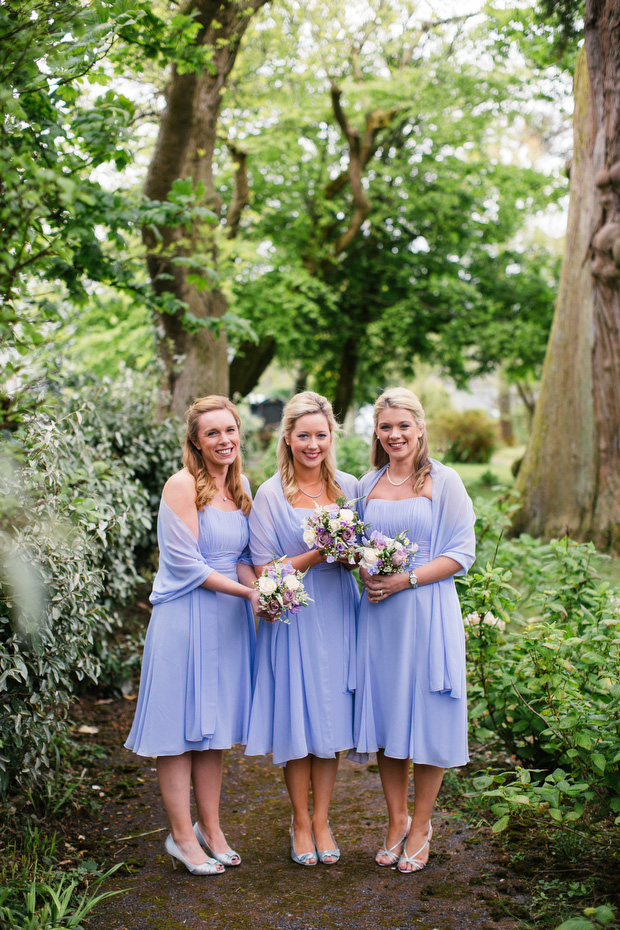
(210, 867)
(306, 859)
(227, 858)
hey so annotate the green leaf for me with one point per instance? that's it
(576, 923)
(500, 824)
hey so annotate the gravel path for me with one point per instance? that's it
(466, 886)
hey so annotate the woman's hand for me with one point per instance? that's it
(253, 598)
(344, 560)
(378, 587)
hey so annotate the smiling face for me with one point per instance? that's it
(310, 440)
(217, 438)
(398, 433)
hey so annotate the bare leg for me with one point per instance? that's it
(207, 780)
(395, 781)
(297, 777)
(323, 779)
(427, 781)
(174, 774)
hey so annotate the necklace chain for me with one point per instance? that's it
(397, 484)
(313, 496)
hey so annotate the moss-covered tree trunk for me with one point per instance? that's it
(195, 360)
(570, 478)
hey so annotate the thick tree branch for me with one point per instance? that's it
(360, 153)
(241, 195)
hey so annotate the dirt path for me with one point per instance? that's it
(466, 886)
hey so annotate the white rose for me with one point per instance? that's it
(334, 526)
(291, 582)
(309, 538)
(346, 515)
(266, 585)
(471, 619)
(370, 556)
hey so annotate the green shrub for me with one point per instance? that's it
(353, 454)
(119, 424)
(51, 587)
(543, 643)
(470, 436)
(71, 519)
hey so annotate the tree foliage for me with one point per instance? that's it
(384, 203)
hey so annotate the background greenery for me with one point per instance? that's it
(449, 269)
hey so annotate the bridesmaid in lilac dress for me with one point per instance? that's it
(410, 703)
(302, 706)
(195, 685)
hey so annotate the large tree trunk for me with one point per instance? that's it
(570, 478)
(195, 360)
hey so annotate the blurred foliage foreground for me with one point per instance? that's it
(81, 486)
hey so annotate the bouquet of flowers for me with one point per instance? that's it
(281, 591)
(383, 555)
(333, 529)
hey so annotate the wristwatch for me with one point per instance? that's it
(413, 580)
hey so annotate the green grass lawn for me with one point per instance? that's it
(482, 481)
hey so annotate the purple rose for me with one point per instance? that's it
(323, 538)
(399, 557)
(273, 608)
(288, 596)
(348, 534)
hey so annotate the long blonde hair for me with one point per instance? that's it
(206, 488)
(406, 400)
(307, 402)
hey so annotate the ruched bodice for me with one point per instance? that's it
(223, 537)
(412, 516)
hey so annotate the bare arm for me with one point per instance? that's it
(300, 563)
(180, 495)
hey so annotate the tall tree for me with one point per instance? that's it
(179, 259)
(382, 213)
(570, 478)
(59, 228)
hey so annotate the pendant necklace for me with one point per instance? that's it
(313, 496)
(397, 484)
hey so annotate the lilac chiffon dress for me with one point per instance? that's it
(411, 694)
(304, 675)
(195, 684)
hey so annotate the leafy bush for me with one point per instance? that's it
(544, 645)
(470, 436)
(51, 587)
(77, 521)
(118, 422)
(353, 454)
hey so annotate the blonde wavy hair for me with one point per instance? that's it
(404, 399)
(206, 488)
(307, 402)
